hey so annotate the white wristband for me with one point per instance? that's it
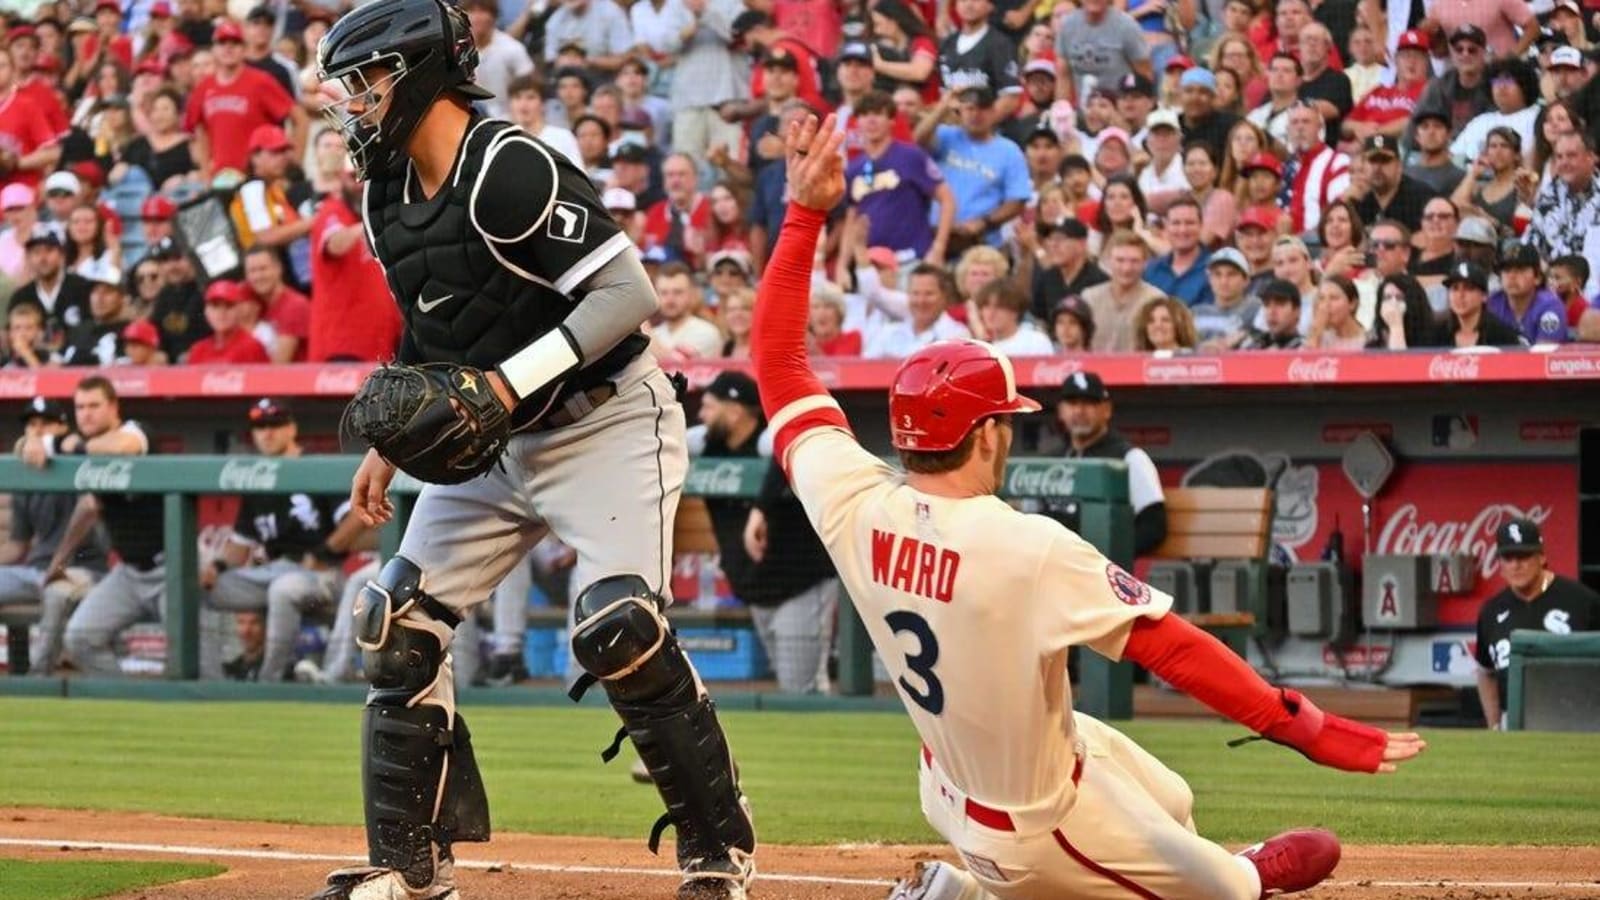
(540, 363)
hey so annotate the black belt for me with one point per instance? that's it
(574, 407)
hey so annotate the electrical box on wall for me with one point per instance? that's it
(1397, 592)
(1313, 601)
(1230, 586)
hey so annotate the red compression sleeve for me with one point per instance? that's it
(1202, 667)
(791, 394)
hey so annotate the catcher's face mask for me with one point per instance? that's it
(364, 98)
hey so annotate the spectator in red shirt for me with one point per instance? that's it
(28, 147)
(35, 86)
(229, 105)
(353, 315)
(108, 37)
(228, 342)
(760, 39)
(828, 337)
(1386, 109)
(284, 311)
(155, 216)
(679, 224)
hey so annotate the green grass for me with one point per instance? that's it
(814, 778)
(81, 879)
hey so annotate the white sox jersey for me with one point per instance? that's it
(972, 606)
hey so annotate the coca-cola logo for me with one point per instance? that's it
(1317, 369)
(111, 475)
(1042, 480)
(340, 380)
(136, 384)
(1564, 366)
(248, 475)
(724, 479)
(1408, 533)
(1453, 367)
(18, 384)
(1182, 371)
(228, 382)
(1052, 372)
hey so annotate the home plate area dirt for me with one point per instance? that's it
(272, 861)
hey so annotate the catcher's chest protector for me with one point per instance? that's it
(460, 304)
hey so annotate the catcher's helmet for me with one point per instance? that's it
(945, 388)
(425, 48)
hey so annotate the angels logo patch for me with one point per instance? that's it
(1128, 589)
(568, 222)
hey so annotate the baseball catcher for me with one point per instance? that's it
(524, 398)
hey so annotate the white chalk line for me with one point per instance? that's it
(290, 856)
(552, 868)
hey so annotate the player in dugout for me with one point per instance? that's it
(973, 607)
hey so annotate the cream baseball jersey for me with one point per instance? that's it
(972, 606)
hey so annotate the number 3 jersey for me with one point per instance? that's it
(972, 606)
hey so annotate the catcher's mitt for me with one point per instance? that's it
(439, 423)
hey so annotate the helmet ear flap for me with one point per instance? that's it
(462, 53)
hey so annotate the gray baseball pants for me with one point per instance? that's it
(22, 585)
(286, 591)
(124, 597)
(797, 635)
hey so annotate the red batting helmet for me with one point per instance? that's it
(945, 388)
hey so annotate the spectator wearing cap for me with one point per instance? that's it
(1181, 272)
(277, 314)
(1002, 307)
(894, 186)
(1161, 179)
(728, 272)
(1565, 75)
(987, 174)
(1461, 91)
(1431, 162)
(1202, 121)
(17, 204)
(1566, 210)
(227, 108)
(36, 86)
(1084, 411)
(1497, 24)
(353, 315)
(1315, 174)
(525, 107)
(1068, 270)
(1038, 112)
(163, 148)
(1098, 43)
(1386, 109)
(1325, 87)
(773, 50)
(1253, 236)
(1386, 192)
(1261, 185)
(770, 200)
(1136, 100)
(27, 344)
(62, 294)
(930, 293)
(1284, 76)
(1115, 302)
(141, 345)
(710, 72)
(1222, 321)
(1468, 323)
(1280, 307)
(260, 24)
(1042, 148)
(1534, 599)
(28, 146)
(633, 170)
(779, 84)
(600, 27)
(39, 523)
(1524, 303)
(1072, 325)
(1514, 91)
(228, 342)
(155, 219)
(854, 73)
(96, 341)
(977, 55)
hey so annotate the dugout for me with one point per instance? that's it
(1552, 682)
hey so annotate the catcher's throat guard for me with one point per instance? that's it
(439, 423)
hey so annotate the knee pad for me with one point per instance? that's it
(622, 640)
(402, 631)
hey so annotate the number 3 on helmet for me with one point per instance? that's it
(941, 391)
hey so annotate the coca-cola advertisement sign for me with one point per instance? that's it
(18, 384)
(1313, 370)
(338, 380)
(1454, 367)
(1053, 371)
(1409, 532)
(254, 475)
(227, 382)
(1029, 479)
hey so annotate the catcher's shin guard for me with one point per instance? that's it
(418, 774)
(624, 642)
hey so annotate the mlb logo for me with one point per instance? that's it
(1454, 657)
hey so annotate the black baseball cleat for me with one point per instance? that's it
(727, 878)
(506, 669)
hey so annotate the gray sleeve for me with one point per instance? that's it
(617, 299)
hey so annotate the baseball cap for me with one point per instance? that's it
(1042, 129)
(1519, 256)
(45, 233)
(1431, 112)
(736, 257)
(141, 331)
(165, 249)
(224, 291)
(268, 137)
(1078, 308)
(1229, 256)
(1201, 78)
(855, 50)
(44, 408)
(21, 32)
(1469, 32)
(1162, 118)
(734, 387)
(1470, 273)
(17, 196)
(269, 412)
(632, 153)
(978, 95)
(1084, 386)
(89, 172)
(1263, 161)
(1134, 83)
(781, 58)
(103, 273)
(1039, 64)
(882, 258)
(157, 208)
(655, 255)
(750, 18)
(107, 4)
(1115, 134)
(1566, 58)
(1380, 145)
(1280, 289)
(1265, 218)
(81, 25)
(1413, 40)
(161, 9)
(227, 30)
(262, 13)
(1072, 228)
(62, 182)
(1570, 6)
(619, 198)
(1180, 61)
(1518, 536)
(151, 66)
(1474, 230)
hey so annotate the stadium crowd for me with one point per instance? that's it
(1165, 176)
